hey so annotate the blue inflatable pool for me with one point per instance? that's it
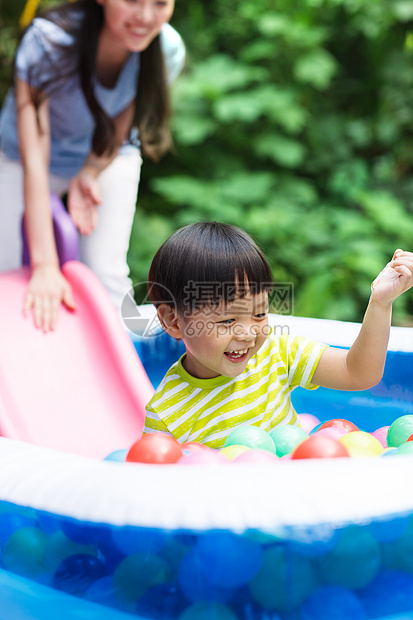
(291, 540)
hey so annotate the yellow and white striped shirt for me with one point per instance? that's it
(207, 410)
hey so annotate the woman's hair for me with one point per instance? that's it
(205, 264)
(83, 20)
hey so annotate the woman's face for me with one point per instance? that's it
(133, 24)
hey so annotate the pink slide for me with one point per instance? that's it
(79, 389)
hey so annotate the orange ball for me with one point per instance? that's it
(155, 448)
(319, 447)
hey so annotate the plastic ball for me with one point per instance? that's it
(231, 452)
(118, 456)
(319, 447)
(130, 540)
(360, 443)
(230, 560)
(315, 429)
(10, 522)
(334, 432)
(207, 611)
(286, 438)
(24, 552)
(251, 436)
(284, 581)
(346, 425)
(400, 431)
(381, 435)
(405, 449)
(389, 452)
(354, 561)
(101, 591)
(332, 602)
(256, 456)
(390, 593)
(164, 601)
(59, 547)
(204, 457)
(137, 573)
(190, 447)
(76, 573)
(155, 448)
(307, 421)
(197, 584)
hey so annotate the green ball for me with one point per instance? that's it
(251, 436)
(286, 438)
(400, 431)
(24, 552)
(405, 448)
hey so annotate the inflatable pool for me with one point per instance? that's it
(86, 538)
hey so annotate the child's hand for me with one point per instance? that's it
(83, 201)
(395, 279)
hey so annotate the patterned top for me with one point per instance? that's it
(208, 410)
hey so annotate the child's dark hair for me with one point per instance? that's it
(205, 264)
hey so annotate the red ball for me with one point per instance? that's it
(319, 447)
(410, 438)
(155, 448)
(344, 424)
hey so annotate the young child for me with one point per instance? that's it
(210, 284)
(87, 73)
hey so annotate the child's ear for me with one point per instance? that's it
(169, 320)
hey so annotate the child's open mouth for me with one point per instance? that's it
(236, 356)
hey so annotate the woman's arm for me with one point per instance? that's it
(84, 194)
(47, 288)
(362, 366)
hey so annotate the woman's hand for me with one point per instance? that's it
(46, 291)
(83, 201)
(395, 279)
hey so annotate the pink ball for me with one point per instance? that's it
(332, 431)
(204, 457)
(255, 456)
(381, 435)
(307, 421)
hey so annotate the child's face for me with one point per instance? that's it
(221, 341)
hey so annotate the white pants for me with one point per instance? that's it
(105, 250)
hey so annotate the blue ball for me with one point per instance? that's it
(390, 592)
(228, 559)
(197, 584)
(331, 602)
(208, 611)
(388, 531)
(164, 601)
(130, 539)
(118, 456)
(101, 591)
(76, 573)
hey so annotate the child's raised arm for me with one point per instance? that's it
(362, 366)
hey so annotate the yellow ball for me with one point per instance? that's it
(231, 452)
(359, 443)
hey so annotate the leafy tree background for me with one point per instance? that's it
(293, 120)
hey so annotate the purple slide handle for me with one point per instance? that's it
(66, 234)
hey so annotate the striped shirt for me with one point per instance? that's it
(208, 410)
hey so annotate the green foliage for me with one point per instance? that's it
(294, 121)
